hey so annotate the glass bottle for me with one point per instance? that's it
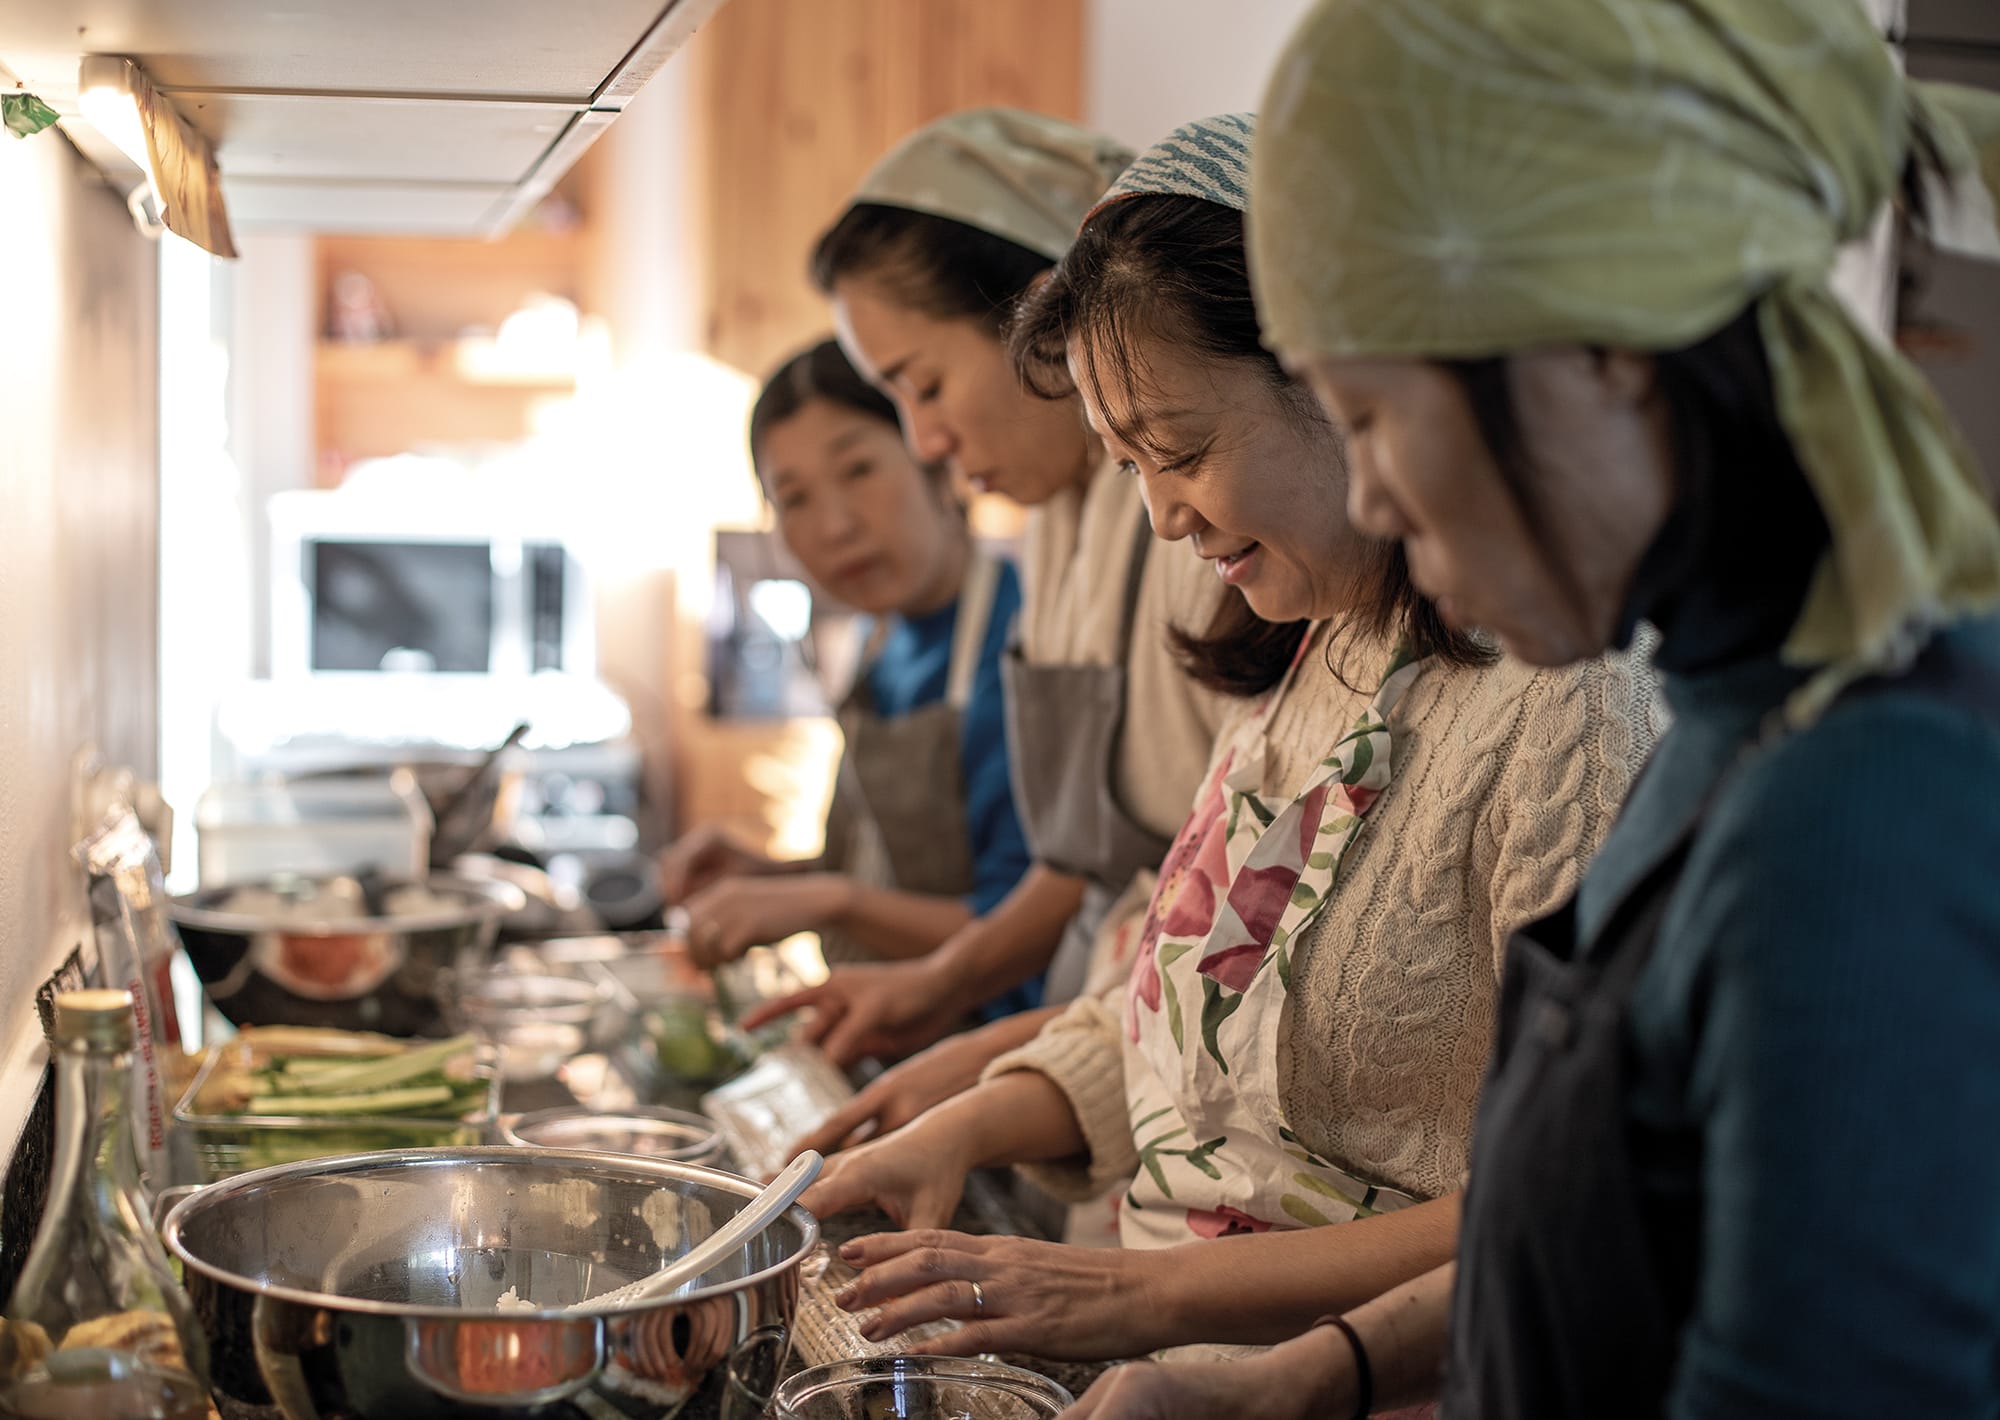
(97, 1325)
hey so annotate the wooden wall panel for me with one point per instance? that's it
(798, 97)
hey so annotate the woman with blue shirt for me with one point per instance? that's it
(922, 835)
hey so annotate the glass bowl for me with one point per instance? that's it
(648, 1133)
(539, 1022)
(918, 1388)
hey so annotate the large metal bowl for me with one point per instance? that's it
(303, 951)
(367, 1288)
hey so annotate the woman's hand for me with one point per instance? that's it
(728, 918)
(703, 856)
(898, 1095)
(886, 1009)
(1039, 1298)
(1310, 1378)
(916, 1176)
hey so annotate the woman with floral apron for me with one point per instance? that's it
(922, 269)
(1568, 274)
(1288, 1081)
(1207, 1005)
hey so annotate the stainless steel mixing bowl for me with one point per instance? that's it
(370, 1288)
(301, 951)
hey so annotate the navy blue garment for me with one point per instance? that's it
(1821, 1017)
(911, 671)
(1819, 1022)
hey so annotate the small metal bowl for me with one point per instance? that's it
(918, 1388)
(646, 1133)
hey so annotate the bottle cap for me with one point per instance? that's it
(95, 1018)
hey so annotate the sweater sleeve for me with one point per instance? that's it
(1841, 1024)
(1584, 732)
(1081, 1052)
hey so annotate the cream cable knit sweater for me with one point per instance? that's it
(1506, 781)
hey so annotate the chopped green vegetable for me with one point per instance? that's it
(401, 1101)
(360, 1077)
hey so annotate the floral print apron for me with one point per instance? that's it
(1205, 1006)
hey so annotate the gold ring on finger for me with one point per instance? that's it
(978, 1300)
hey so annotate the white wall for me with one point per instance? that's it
(1153, 65)
(78, 506)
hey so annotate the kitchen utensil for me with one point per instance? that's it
(763, 1210)
(305, 951)
(370, 1287)
(918, 1388)
(467, 811)
(649, 1132)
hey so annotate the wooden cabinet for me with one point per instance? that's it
(796, 98)
(438, 378)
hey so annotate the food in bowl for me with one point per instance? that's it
(280, 1094)
(335, 952)
(689, 1044)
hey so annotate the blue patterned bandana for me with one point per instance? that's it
(1208, 159)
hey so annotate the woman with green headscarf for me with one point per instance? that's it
(1560, 272)
(1108, 737)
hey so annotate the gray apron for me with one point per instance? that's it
(1064, 723)
(897, 819)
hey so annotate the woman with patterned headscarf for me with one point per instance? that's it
(1560, 271)
(1108, 738)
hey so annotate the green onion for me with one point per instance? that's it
(376, 1102)
(363, 1076)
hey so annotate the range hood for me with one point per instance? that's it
(435, 117)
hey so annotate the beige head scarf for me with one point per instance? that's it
(1023, 176)
(1465, 178)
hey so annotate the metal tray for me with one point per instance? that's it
(224, 1145)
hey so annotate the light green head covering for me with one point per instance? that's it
(1463, 178)
(1023, 176)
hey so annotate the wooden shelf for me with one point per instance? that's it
(468, 361)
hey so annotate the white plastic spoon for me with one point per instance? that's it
(755, 1216)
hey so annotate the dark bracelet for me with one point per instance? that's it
(1364, 1376)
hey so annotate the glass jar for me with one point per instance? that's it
(98, 1325)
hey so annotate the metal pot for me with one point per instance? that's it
(338, 951)
(367, 1287)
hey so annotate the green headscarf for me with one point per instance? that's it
(1019, 175)
(1444, 179)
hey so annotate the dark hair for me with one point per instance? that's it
(1750, 529)
(948, 270)
(818, 373)
(1171, 267)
